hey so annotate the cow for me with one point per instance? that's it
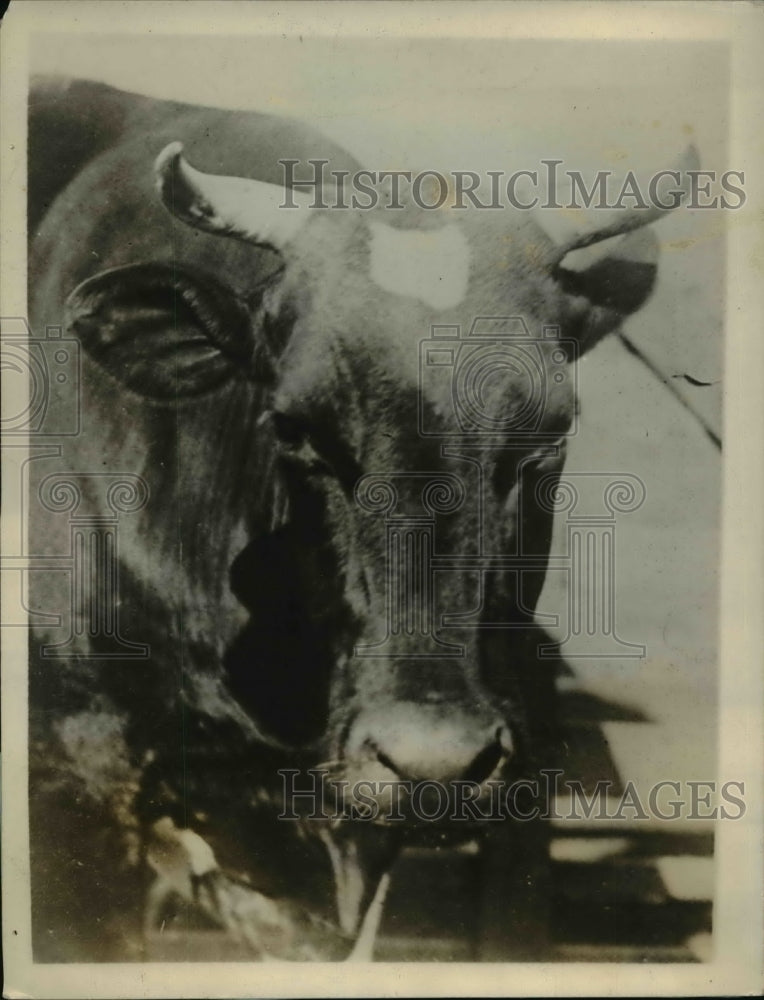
(273, 468)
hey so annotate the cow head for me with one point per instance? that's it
(419, 391)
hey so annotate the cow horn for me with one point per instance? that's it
(624, 221)
(247, 209)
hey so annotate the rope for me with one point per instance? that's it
(652, 367)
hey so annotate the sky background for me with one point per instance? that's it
(467, 101)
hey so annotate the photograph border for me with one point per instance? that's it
(737, 964)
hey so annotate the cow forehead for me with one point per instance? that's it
(432, 265)
(371, 347)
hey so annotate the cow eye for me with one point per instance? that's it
(289, 430)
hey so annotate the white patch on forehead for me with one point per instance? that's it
(432, 266)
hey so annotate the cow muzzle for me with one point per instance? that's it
(416, 763)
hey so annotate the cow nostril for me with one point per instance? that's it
(485, 763)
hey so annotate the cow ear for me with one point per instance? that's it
(606, 290)
(164, 333)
